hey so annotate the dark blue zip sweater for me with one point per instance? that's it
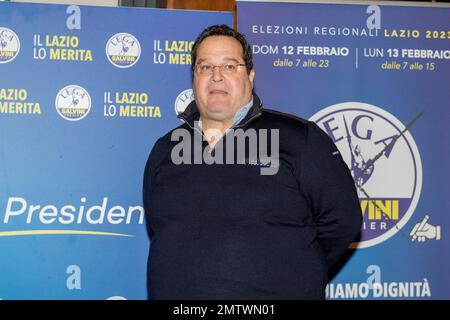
(223, 231)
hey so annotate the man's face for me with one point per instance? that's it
(220, 95)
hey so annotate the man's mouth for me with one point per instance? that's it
(218, 91)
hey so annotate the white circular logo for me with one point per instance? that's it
(73, 103)
(9, 45)
(384, 161)
(183, 100)
(123, 50)
(116, 298)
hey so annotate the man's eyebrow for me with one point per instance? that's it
(226, 59)
(200, 61)
(232, 59)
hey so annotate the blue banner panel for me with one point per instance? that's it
(84, 94)
(376, 79)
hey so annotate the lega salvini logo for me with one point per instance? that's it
(123, 50)
(183, 100)
(73, 103)
(9, 45)
(384, 162)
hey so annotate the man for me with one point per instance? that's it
(225, 230)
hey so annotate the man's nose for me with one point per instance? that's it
(217, 74)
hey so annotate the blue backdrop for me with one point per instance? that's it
(369, 75)
(84, 94)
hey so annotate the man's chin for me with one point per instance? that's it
(219, 107)
(218, 113)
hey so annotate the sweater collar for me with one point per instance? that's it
(191, 114)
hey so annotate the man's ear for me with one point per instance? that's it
(251, 76)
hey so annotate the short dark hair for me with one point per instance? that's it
(224, 30)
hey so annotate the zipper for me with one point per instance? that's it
(238, 126)
(252, 118)
(193, 128)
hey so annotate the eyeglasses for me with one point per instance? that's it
(206, 69)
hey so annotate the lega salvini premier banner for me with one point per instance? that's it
(84, 94)
(376, 79)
